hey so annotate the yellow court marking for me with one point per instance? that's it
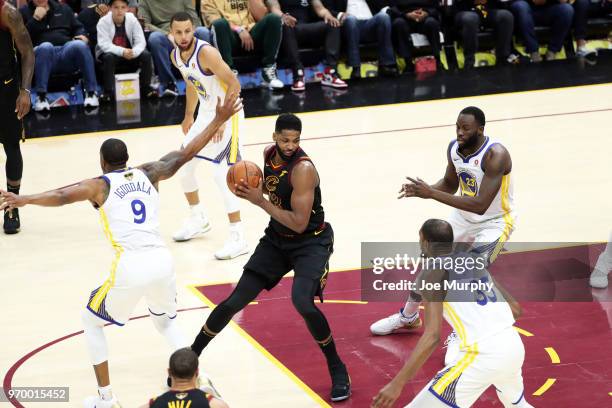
(523, 332)
(265, 352)
(351, 302)
(253, 303)
(554, 357)
(545, 387)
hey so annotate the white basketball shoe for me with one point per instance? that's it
(197, 224)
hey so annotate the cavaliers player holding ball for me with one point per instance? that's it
(297, 238)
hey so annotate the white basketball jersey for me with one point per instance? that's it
(470, 172)
(208, 85)
(475, 314)
(130, 213)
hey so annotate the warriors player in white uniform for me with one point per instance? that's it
(484, 211)
(128, 202)
(491, 353)
(207, 77)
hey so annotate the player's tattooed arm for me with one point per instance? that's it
(94, 190)
(428, 342)
(20, 35)
(168, 165)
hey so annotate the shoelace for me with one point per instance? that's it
(270, 71)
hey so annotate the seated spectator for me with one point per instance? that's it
(554, 13)
(133, 4)
(60, 47)
(472, 15)
(157, 15)
(366, 21)
(75, 5)
(581, 16)
(414, 16)
(89, 17)
(246, 23)
(307, 23)
(121, 41)
(184, 391)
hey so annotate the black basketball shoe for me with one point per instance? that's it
(341, 382)
(12, 225)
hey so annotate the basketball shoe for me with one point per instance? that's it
(12, 224)
(396, 323)
(97, 402)
(197, 224)
(341, 382)
(235, 245)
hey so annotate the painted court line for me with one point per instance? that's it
(549, 383)
(8, 378)
(554, 357)
(264, 352)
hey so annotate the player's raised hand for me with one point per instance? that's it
(219, 135)
(419, 188)
(387, 396)
(406, 191)
(8, 201)
(230, 106)
(252, 194)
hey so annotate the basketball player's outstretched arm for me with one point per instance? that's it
(94, 190)
(497, 164)
(168, 165)
(304, 179)
(14, 22)
(426, 345)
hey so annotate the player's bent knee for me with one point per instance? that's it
(303, 304)
(189, 183)
(90, 320)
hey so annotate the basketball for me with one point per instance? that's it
(243, 170)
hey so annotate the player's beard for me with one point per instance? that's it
(187, 47)
(471, 141)
(281, 155)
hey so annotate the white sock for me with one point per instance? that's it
(236, 228)
(106, 393)
(198, 209)
(410, 310)
(170, 330)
